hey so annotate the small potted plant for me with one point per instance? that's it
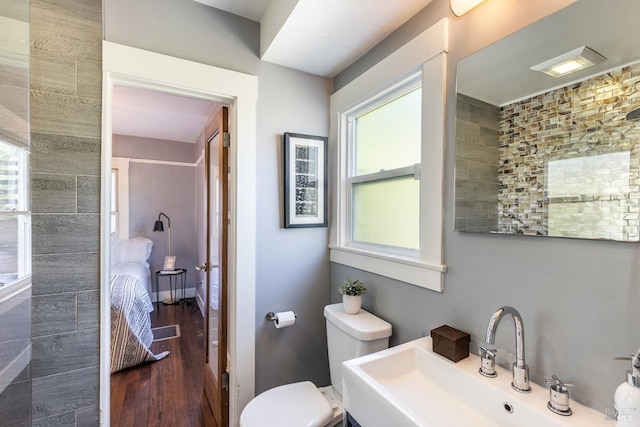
(352, 291)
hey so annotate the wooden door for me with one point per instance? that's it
(216, 372)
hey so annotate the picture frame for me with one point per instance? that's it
(305, 180)
(169, 263)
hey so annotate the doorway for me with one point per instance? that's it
(127, 66)
(159, 165)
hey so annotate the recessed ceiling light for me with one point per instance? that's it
(570, 62)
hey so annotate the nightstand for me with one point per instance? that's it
(177, 276)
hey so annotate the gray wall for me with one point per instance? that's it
(66, 73)
(292, 267)
(185, 29)
(578, 298)
(158, 187)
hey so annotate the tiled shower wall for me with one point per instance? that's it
(477, 128)
(564, 163)
(583, 121)
(66, 40)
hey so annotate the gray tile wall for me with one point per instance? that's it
(477, 145)
(66, 80)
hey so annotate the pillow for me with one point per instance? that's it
(137, 249)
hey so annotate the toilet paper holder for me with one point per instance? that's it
(272, 316)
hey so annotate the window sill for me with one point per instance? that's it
(419, 273)
(12, 289)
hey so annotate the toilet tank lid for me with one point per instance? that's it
(363, 326)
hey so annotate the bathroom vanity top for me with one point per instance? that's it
(410, 385)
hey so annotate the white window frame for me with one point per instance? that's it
(23, 214)
(427, 53)
(122, 165)
(398, 90)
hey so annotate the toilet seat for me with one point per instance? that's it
(291, 405)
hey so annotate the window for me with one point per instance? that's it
(388, 129)
(384, 144)
(15, 217)
(120, 197)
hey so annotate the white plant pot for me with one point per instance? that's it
(352, 303)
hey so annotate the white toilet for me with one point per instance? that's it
(302, 404)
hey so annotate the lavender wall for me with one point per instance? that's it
(162, 187)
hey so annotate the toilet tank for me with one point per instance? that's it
(350, 336)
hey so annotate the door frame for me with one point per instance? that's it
(127, 66)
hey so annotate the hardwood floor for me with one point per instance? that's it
(168, 392)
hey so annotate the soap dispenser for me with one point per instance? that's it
(627, 397)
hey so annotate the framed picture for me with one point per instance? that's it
(169, 263)
(305, 180)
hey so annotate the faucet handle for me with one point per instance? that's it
(488, 352)
(558, 382)
(558, 396)
(488, 361)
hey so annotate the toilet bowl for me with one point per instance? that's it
(302, 404)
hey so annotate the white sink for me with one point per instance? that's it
(409, 385)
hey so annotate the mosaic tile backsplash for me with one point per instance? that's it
(568, 161)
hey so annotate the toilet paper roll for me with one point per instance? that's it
(284, 319)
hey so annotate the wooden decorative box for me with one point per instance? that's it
(450, 342)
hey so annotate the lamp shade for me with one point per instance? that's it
(159, 226)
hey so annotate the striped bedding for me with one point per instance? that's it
(131, 334)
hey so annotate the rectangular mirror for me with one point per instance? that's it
(553, 156)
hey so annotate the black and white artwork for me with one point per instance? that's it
(305, 180)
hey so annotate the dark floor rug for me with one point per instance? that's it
(165, 332)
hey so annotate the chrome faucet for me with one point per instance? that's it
(488, 352)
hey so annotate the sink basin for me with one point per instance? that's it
(410, 385)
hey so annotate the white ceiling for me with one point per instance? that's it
(148, 114)
(320, 37)
(324, 36)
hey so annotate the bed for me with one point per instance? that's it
(131, 305)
